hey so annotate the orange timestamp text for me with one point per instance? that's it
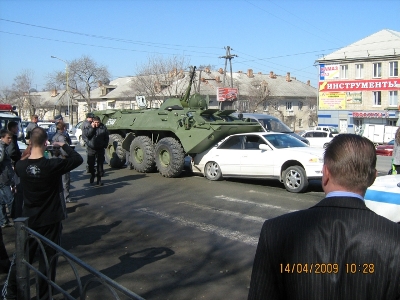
(326, 268)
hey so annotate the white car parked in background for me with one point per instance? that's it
(330, 129)
(262, 155)
(318, 138)
(77, 131)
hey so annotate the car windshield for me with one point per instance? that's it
(333, 130)
(275, 125)
(282, 141)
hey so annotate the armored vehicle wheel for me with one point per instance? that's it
(115, 155)
(169, 157)
(295, 179)
(212, 171)
(142, 154)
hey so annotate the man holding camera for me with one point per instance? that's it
(97, 140)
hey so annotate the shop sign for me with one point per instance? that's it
(360, 85)
(371, 114)
(328, 72)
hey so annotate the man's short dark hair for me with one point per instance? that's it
(38, 136)
(96, 118)
(12, 124)
(90, 115)
(5, 132)
(351, 161)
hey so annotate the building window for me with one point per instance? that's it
(300, 122)
(393, 69)
(301, 105)
(393, 100)
(377, 98)
(358, 124)
(289, 106)
(377, 70)
(344, 69)
(359, 71)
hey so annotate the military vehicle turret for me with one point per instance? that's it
(160, 138)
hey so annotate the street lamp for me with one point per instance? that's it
(67, 89)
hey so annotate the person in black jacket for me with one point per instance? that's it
(44, 202)
(15, 155)
(97, 140)
(13, 148)
(337, 249)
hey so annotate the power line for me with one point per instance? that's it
(106, 47)
(106, 37)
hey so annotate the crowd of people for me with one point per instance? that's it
(34, 186)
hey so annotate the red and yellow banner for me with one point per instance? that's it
(359, 85)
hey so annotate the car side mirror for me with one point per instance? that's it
(263, 147)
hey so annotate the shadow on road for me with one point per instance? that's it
(129, 263)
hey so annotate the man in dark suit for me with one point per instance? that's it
(337, 249)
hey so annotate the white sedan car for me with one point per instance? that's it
(262, 155)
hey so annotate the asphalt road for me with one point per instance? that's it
(171, 238)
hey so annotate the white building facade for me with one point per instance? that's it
(359, 84)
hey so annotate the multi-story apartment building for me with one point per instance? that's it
(359, 84)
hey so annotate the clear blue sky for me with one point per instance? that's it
(267, 35)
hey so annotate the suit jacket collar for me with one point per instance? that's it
(343, 202)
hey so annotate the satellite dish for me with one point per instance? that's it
(106, 81)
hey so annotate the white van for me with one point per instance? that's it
(331, 129)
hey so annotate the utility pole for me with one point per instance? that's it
(229, 57)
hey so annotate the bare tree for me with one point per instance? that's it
(83, 76)
(312, 108)
(6, 95)
(160, 76)
(21, 89)
(258, 94)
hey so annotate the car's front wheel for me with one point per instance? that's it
(295, 179)
(212, 171)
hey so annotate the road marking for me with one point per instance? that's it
(232, 235)
(255, 203)
(292, 198)
(226, 212)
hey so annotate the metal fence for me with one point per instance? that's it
(24, 268)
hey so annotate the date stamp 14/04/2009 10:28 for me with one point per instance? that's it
(326, 268)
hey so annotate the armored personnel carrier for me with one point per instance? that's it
(161, 138)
